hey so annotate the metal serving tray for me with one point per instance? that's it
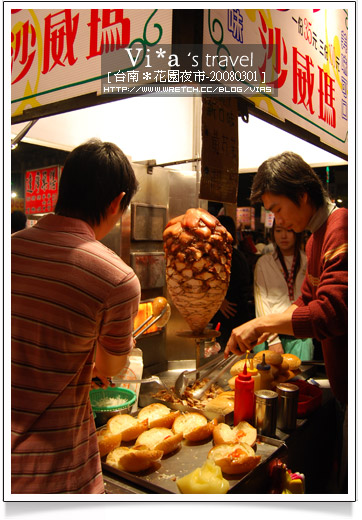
(162, 479)
(147, 399)
(169, 377)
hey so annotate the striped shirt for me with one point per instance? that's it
(69, 292)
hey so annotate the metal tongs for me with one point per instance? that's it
(221, 368)
(189, 377)
(151, 379)
(151, 320)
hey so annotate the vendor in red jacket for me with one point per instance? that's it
(290, 188)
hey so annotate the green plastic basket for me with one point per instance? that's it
(103, 414)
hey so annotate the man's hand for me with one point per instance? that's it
(277, 347)
(258, 330)
(245, 337)
(228, 309)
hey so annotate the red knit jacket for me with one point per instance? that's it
(322, 311)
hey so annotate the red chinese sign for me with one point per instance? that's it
(41, 190)
(56, 54)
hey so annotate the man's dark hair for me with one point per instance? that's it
(289, 175)
(18, 220)
(94, 174)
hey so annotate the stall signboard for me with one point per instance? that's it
(219, 154)
(269, 219)
(57, 54)
(304, 70)
(41, 189)
(245, 217)
(17, 204)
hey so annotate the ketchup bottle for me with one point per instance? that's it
(244, 397)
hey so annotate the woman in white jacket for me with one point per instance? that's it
(278, 278)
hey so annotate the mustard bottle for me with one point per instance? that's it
(254, 374)
(266, 376)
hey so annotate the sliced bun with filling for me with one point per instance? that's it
(138, 458)
(193, 426)
(107, 441)
(234, 458)
(129, 426)
(158, 415)
(242, 432)
(162, 439)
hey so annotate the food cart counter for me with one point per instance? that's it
(309, 449)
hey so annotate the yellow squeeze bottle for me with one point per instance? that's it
(255, 374)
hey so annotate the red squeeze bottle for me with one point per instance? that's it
(244, 397)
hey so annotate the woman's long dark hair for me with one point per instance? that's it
(297, 247)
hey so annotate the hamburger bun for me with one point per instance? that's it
(138, 458)
(284, 367)
(238, 367)
(162, 439)
(271, 357)
(158, 415)
(242, 432)
(107, 441)
(293, 361)
(193, 426)
(221, 404)
(234, 458)
(129, 426)
(231, 382)
(282, 378)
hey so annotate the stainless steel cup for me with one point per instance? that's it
(265, 416)
(287, 406)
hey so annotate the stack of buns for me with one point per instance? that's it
(282, 366)
(155, 432)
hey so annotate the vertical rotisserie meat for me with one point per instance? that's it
(198, 261)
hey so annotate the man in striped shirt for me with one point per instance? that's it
(73, 306)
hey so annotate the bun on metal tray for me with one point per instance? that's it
(193, 426)
(163, 439)
(158, 415)
(244, 432)
(234, 458)
(129, 426)
(138, 458)
(107, 441)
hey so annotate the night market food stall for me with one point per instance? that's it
(292, 74)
